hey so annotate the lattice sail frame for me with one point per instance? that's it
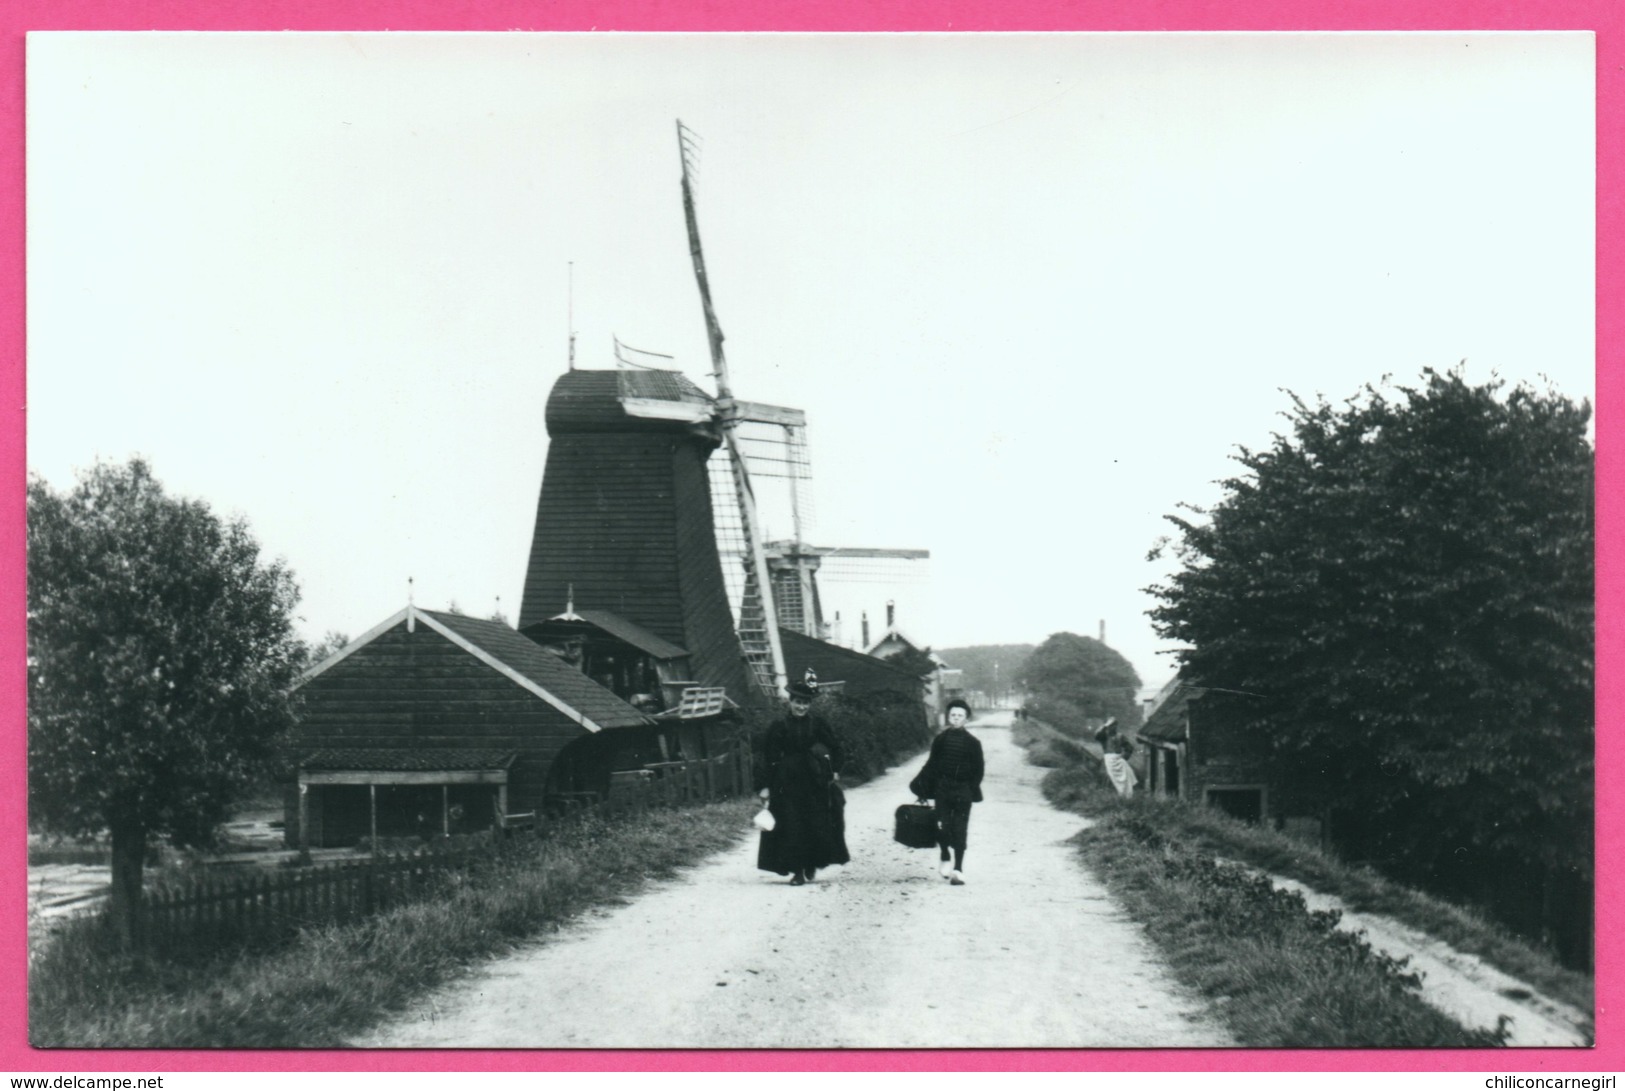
(780, 470)
(828, 581)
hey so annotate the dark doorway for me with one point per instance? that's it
(1170, 772)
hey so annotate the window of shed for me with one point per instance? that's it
(1246, 804)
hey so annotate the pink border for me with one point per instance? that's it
(1605, 17)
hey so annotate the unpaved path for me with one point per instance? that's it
(880, 953)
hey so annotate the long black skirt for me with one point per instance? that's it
(807, 833)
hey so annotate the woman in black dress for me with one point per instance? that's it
(800, 756)
(952, 777)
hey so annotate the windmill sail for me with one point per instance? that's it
(757, 617)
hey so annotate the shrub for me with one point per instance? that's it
(875, 730)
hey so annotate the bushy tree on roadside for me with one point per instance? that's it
(1397, 596)
(160, 653)
(876, 730)
(1078, 676)
(916, 661)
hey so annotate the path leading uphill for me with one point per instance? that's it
(880, 953)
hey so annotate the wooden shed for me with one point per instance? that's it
(435, 723)
(1208, 760)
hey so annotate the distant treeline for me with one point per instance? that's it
(990, 668)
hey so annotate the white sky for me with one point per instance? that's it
(1032, 290)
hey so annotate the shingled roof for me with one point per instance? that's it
(1166, 723)
(515, 655)
(631, 632)
(544, 668)
(833, 663)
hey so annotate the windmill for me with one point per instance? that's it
(643, 523)
(779, 577)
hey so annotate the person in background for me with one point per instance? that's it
(952, 779)
(798, 779)
(1118, 770)
(1106, 734)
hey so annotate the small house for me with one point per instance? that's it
(437, 723)
(941, 682)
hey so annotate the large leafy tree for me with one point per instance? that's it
(1082, 673)
(160, 655)
(1396, 598)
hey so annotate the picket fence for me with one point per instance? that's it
(671, 783)
(266, 907)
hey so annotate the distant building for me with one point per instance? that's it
(942, 683)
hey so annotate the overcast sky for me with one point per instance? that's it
(1032, 290)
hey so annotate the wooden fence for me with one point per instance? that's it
(266, 906)
(670, 784)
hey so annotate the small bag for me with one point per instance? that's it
(764, 820)
(916, 826)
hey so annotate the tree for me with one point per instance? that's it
(1396, 597)
(1083, 674)
(915, 661)
(331, 641)
(160, 654)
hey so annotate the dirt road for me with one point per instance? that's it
(880, 953)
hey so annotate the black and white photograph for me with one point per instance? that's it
(810, 541)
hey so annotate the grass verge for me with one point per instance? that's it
(331, 983)
(1273, 984)
(1276, 974)
(1083, 788)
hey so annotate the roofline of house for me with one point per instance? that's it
(502, 668)
(900, 635)
(411, 615)
(353, 646)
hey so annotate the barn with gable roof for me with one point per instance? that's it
(437, 723)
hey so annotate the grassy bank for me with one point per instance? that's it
(1278, 974)
(331, 983)
(1082, 787)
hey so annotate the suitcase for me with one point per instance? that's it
(916, 826)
